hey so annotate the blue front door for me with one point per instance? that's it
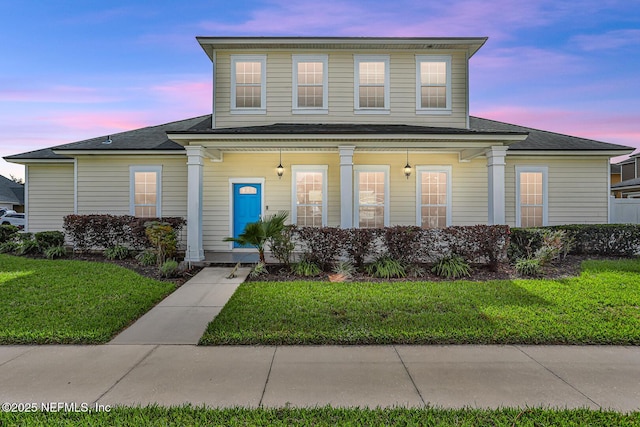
(247, 207)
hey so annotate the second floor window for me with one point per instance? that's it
(310, 83)
(433, 75)
(248, 83)
(372, 83)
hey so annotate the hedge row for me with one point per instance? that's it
(482, 244)
(106, 231)
(583, 239)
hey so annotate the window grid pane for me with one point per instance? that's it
(433, 84)
(309, 199)
(145, 194)
(310, 85)
(248, 84)
(372, 81)
(433, 199)
(531, 199)
(371, 196)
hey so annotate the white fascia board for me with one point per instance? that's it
(605, 153)
(31, 161)
(119, 152)
(279, 138)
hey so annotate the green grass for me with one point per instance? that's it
(70, 302)
(324, 416)
(602, 306)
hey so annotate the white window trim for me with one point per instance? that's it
(324, 59)
(263, 207)
(545, 192)
(356, 192)
(357, 59)
(263, 84)
(132, 186)
(308, 168)
(432, 58)
(436, 168)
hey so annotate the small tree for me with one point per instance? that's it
(163, 238)
(257, 234)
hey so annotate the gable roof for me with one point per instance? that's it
(544, 140)
(11, 192)
(154, 138)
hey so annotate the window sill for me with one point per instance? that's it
(438, 112)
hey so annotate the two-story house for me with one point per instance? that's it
(628, 183)
(349, 132)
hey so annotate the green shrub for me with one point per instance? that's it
(163, 238)
(27, 246)
(9, 247)
(345, 268)
(386, 268)
(48, 239)
(7, 232)
(147, 258)
(452, 267)
(258, 270)
(580, 239)
(528, 267)
(116, 252)
(55, 252)
(282, 246)
(169, 268)
(306, 268)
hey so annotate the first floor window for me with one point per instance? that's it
(145, 191)
(531, 195)
(434, 196)
(372, 186)
(309, 196)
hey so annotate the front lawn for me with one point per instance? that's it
(601, 306)
(324, 416)
(70, 302)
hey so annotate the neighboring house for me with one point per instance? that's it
(369, 132)
(629, 184)
(11, 195)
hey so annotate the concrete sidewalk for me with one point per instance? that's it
(276, 376)
(183, 316)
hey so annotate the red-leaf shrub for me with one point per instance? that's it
(321, 245)
(359, 243)
(105, 231)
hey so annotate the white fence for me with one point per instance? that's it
(624, 211)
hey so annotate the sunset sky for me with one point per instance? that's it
(72, 70)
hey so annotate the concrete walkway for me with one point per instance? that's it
(412, 376)
(183, 316)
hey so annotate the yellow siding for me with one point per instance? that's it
(469, 187)
(104, 184)
(50, 195)
(402, 76)
(578, 190)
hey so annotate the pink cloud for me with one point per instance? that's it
(616, 128)
(57, 93)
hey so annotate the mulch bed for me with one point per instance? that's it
(151, 271)
(567, 267)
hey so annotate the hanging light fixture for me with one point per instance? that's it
(407, 167)
(280, 168)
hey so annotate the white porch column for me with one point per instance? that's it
(195, 164)
(346, 186)
(495, 165)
